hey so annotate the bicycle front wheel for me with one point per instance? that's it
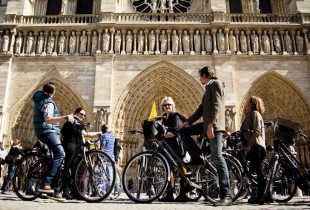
(29, 175)
(95, 176)
(145, 177)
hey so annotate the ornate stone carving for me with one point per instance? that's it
(129, 40)
(299, 43)
(288, 42)
(29, 43)
(220, 41)
(40, 43)
(255, 43)
(83, 43)
(118, 41)
(197, 42)
(186, 42)
(266, 42)
(61, 43)
(5, 42)
(152, 41)
(277, 42)
(243, 43)
(232, 42)
(50, 43)
(208, 42)
(105, 41)
(18, 43)
(163, 42)
(140, 42)
(94, 43)
(72, 43)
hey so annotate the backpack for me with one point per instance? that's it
(117, 149)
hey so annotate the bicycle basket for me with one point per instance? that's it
(152, 130)
(286, 130)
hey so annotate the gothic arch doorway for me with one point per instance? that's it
(152, 84)
(282, 98)
(21, 114)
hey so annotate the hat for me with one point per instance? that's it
(16, 142)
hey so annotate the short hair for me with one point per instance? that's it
(258, 104)
(167, 100)
(78, 110)
(207, 71)
(104, 128)
(49, 89)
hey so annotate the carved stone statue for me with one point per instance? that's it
(40, 43)
(256, 6)
(129, 42)
(163, 42)
(100, 119)
(232, 42)
(18, 43)
(276, 42)
(266, 43)
(255, 43)
(288, 42)
(61, 43)
(83, 43)
(220, 41)
(228, 120)
(72, 43)
(197, 42)
(6, 41)
(140, 42)
(208, 42)
(50, 43)
(94, 43)
(29, 43)
(118, 41)
(163, 6)
(170, 6)
(243, 43)
(105, 41)
(63, 7)
(154, 6)
(175, 42)
(299, 43)
(152, 41)
(185, 42)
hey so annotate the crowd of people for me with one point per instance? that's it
(63, 142)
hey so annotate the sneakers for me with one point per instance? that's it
(58, 197)
(46, 189)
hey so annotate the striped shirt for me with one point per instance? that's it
(107, 143)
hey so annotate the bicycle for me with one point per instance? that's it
(146, 175)
(286, 172)
(92, 180)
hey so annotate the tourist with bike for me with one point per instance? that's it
(253, 136)
(72, 136)
(173, 119)
(212, 109)
(46, 126)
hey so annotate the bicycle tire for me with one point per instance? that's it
(29, 176)
(211, 189)
(145, 177)
(94, 183)
(283, 184)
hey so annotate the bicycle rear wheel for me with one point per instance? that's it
(145, 177)
(95, 176)
(29, 175)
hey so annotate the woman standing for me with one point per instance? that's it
(256, 146)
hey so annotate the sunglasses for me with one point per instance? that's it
(167, 105)
(82, 114)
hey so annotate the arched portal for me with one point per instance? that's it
(152, 84)
(21, 113)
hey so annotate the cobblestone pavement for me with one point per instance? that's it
(12, 202)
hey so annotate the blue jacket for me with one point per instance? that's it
(40, 126)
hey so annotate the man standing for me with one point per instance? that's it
(212, 110)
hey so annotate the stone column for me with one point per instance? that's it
(56, 43)
(134, 31)
(248, 33)
(191, 38)
(77, 47)
(282, 42)
(146, 43)
(24, 43)
(169, 44)
(112, 31)
(157, 32)
(67, 43)
(11, 44)
(215, 51)
(124, 42)
(294, 42)
(226, 31)
(238, 42)
(180, 42)
(305, 31)
(88, 49)
(202, 35)
(271, 42)
(99, 41)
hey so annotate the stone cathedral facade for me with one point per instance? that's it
(116, 57)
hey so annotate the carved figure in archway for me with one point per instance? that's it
(208, 42)
(63, 7)
(299, 43)
(175, 42)
(243, 43)
(154, 6)
(118, 41)
(163, 42)
(266, 43)
(228, 120)
(256, 6)
(6, 41)
(72, 43)
(105, 41)
(100, 119)
(29, 43)
(94, 43)
(163, 6)
(254, 41)
(288, 42)
(232, 42)
(197, 42)
(276, 42)
(61, 43)
(129, 42)
(140, 41)
(40, 43)
(170, 6)
(83, 43)
(50, 43)
(152, 40)
(18, 43)
(185, 42)
(220, 41)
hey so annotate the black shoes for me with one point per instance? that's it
(224, 201)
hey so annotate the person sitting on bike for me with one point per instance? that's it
(255, 143)
(46, 126)
(72, 136)
(173, 119)
(14, 154)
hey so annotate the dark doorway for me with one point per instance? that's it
(235, 6)
(53, 7)
(84, 7)
(265, 6)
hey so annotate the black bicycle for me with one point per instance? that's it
(147, 174)
(286, 172)
(93, 178)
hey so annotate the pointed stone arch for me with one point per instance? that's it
(152, 84)
(21, 114)
(282, 98)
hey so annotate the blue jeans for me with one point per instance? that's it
(8, 179)
(53, 142)
(216, 153)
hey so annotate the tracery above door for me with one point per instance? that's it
(162, 6)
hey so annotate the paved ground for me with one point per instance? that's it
(12, 202)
